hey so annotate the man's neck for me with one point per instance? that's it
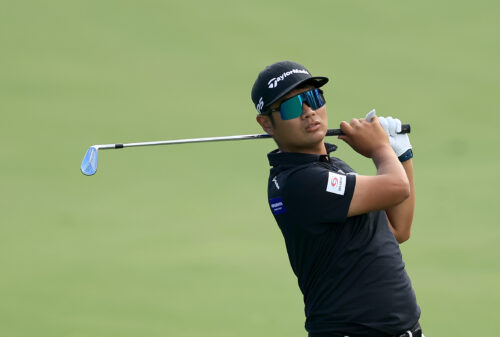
(320, 149)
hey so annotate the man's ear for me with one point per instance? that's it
(266, 124)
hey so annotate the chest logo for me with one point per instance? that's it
(276, 183)
(336, 183)
(277, 205)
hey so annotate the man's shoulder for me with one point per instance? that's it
(294, 178)
(341, 165)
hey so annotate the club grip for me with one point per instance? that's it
(405, 128)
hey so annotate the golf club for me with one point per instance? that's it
(89, 163)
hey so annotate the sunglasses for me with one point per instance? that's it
(292, 107)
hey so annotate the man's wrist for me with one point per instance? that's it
(407, 155)
(382, 154)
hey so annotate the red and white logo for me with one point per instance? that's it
(336, 183)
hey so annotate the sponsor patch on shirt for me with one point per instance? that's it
(336, 183)
(277, 206)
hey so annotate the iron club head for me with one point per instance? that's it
(89, 163)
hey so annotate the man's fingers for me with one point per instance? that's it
(384, 123)
(398, 125)
(394, 126)
(347, 130)
(345, 127)
(391, 122)
(346, 139)
(355, 122)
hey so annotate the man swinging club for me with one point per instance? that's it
(342, 230)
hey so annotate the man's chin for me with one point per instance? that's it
(317, 135)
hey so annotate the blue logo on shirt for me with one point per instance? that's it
(277, 206)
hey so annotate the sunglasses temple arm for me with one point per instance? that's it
(405, 128)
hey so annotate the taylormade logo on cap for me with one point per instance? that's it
(273, 82)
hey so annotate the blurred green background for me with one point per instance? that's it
(179, 241)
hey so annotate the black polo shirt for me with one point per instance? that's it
(350, 270)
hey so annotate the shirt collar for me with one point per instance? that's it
(292, 158)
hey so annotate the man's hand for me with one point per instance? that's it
(390, 186)
(400, 142)
(400, 216)
(366, 138)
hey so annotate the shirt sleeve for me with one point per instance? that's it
(319, 194)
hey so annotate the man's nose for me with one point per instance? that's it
(307, 111)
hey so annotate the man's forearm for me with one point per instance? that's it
(401, 216)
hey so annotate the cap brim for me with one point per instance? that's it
(317, 81)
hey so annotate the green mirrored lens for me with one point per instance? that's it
(291, 108)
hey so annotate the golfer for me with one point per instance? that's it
(342, 230)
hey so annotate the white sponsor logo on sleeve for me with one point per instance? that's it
(336, 183)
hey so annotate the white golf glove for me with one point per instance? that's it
(400, 142)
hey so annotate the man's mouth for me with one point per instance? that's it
(313, 126)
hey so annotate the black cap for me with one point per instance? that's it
(277, 80)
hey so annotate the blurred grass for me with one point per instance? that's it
(179, 240)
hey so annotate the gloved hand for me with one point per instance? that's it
(400, 142)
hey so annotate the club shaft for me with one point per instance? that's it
(405, 128)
